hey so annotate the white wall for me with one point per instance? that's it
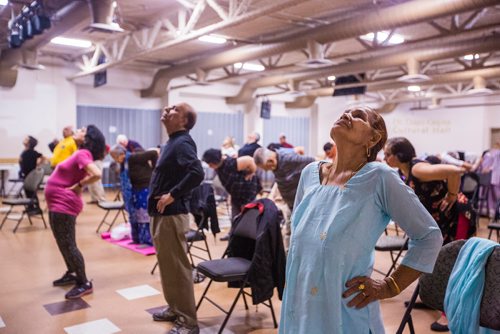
(432, 131)
(40, 104)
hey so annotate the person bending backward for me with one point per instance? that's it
(286, 166)
(340, 211)
(63, 194)
(177, 172)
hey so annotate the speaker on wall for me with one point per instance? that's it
(265, 109)
(100, 78)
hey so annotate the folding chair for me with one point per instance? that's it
(234, 269)
(395, 245)
(432, 287)
(31, 184)
(494, 224)
(109, 206)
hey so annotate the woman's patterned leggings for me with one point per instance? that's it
(63, 228)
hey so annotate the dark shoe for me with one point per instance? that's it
(225, 238)
(165, 315)
(79, 291)
(67, 279)
(437, 327)
(180, 328)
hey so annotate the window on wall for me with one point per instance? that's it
(296, 130)
(142, 125)
(211, 129)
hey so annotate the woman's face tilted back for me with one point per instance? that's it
(362, 127)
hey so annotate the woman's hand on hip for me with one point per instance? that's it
(366, 290)
(76, 188)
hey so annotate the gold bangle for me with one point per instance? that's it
(396, 286)
(452, 194)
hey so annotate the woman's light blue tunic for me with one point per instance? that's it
(334, 231)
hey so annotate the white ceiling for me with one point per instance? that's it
(174, 50)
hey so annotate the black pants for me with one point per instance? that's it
(63, 228)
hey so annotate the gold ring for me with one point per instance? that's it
(361, 286)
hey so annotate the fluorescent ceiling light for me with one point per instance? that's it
(115, 4)
(4, 2)
(471, 57)
(212, 39)
(80, 43)
(414, 88)
(382, 36)
(250, 67)
(331, 78)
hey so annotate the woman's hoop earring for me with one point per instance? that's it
(367, 152)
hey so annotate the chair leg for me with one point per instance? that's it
(102, 221)
(154, 268)
(5, 217)
(124, 216)
(489, 235)
(272, 313)
(29, 219)
(113, 221)
(19, 222)
(407, 316)
(43, 220)
(232, 308)
(208, 249)
(204, 294)
(245, 300)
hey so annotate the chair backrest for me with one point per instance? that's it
(247, 225)
(470, 185)
(433, 286)
(33, 180)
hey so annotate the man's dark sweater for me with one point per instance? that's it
(177, 172)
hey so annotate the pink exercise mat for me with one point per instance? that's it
(126, 243)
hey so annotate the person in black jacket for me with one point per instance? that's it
(177, 172)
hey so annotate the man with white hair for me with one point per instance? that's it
(129, 144)
(250, 146)
(287, 167)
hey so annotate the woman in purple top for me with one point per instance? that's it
(63, 194)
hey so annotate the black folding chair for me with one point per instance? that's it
(234, 269)
(31, 205)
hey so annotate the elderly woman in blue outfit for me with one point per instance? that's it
(340, 211)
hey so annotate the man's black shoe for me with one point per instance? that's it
(67, 279)
(165, 315)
